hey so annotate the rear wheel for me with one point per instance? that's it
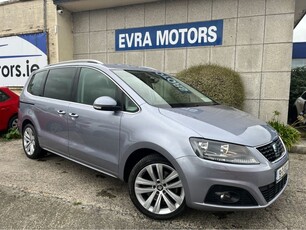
(156, 189)
(30, 142)
(13, 122)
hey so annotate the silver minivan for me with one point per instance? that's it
(173, 145)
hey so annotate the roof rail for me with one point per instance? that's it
(147, 67)
(77, 61)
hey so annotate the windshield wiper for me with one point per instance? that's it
(183, 105)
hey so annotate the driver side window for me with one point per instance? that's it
(94, 84)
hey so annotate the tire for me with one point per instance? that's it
(13, 122)
(156, 189)
(30, 142)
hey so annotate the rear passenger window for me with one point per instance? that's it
(3, 96)
(59, 83)
(36, 85)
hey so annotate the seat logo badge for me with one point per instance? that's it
(275, 149)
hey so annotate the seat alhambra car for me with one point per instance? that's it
(173, 145)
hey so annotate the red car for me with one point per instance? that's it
(9, 102)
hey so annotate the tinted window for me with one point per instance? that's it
(36, 85)
(3, 96)
(59, 83)
(94, 84)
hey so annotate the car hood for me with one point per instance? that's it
(223, 123)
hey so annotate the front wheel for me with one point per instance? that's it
(30, 142)
(156, 189)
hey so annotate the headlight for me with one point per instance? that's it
(222, 152)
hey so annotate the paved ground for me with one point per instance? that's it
(56, 193)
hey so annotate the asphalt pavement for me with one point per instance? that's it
(54, 193)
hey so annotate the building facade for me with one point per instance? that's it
(256, 38)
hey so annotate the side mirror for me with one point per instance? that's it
(106, 103)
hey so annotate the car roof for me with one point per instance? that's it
(129, 67)
(91, 62)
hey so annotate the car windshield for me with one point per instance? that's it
(162, 90)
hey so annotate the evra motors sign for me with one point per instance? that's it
(170, 36)
(20, 56)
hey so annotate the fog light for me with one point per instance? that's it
(228, 197)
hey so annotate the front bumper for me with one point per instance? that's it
(201, 177)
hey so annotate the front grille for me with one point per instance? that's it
(271, 190)
(273, 150)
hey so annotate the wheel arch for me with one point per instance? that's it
(14, 114)
(134, 158)
(24, 123)
(139, 153)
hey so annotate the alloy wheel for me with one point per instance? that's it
(29, 141)
(14, 124)
(158, 189)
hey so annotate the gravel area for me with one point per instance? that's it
(56, 193)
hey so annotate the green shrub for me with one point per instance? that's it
(288, 133)
(220, 83)
(12, 134)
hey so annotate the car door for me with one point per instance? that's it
(52, 109)
(94, 134)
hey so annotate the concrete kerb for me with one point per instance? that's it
(299, 147)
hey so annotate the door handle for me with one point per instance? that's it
(61, 112)
(73, 115)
